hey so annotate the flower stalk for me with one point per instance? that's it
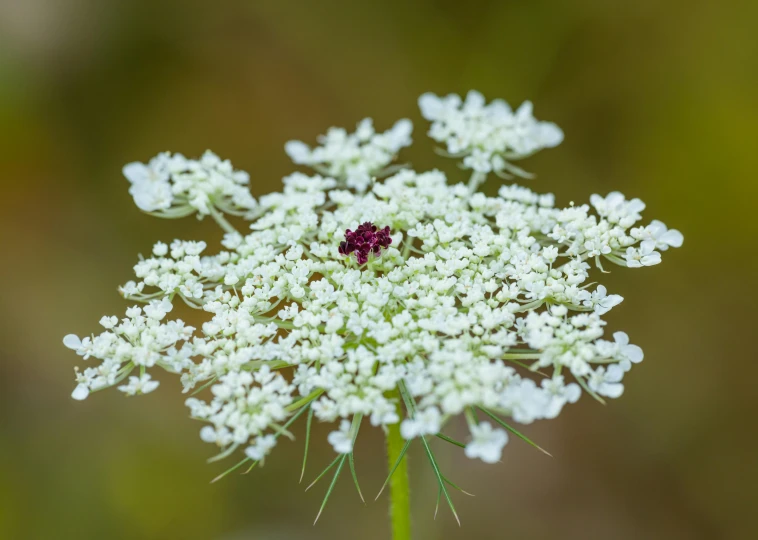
(400, 499)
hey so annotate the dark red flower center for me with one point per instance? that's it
(366, 239)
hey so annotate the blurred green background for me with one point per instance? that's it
(658, 99)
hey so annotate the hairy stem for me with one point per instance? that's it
(400, 500)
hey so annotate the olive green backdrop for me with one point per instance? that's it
(658, 99)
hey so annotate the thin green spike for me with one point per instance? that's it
(437, 506)
(304, 401)
(222, 455)
(281, 430)
(238, 465)
(394, 467)
(409, 403)
(470, 415)
(446, 479)
(437, 472)
(251, 467)
(514, 431)
(206, 385)
(231, 469)
(450, 440)
(294, 417)
(525, 366)
(351, 459)
(307, 440)
(328, 468)
(331, 486)
(354, 428)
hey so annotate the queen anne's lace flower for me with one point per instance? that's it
(478, 304)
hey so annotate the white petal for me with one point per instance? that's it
(149, 386)
(614, 374)
(408, 429)
(431, 106)
(80, 392)
(298, 152)
(573, 392)
(672, 237)
(550, 134)
(208, 434)
(612, 390)
(72, 341)
(621, 338)
(652, 259)
(633, 353)
(136, 172)
(524, 111)
(401, 134)
(474, 100)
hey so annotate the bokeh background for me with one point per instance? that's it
(658, 99)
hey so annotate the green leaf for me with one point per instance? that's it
(307, 440)
(354, 429)
(525, 366)
(230, 469)
(355, 477)
(440, 479)
(514, 431)
(206, 385)
(281, 430)
(304, 401)
(328, 468)
(331, 486)
(446, 479)
(276, 435)
(394, 467)
(251, 467)
(222, 455)
(409, 403)
(450, 440)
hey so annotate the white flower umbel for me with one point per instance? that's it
(172, 186)
(488, 136)
(140, 339)
(356, 158)
(405, 302)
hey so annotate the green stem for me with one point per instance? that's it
(221, 220)
(400, 499)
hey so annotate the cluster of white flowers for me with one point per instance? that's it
(478, 304)
(244, 406)
(353, 159)
(487, 136)
(139, 340)
(171, 185)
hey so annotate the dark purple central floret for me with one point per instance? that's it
(367, 238)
